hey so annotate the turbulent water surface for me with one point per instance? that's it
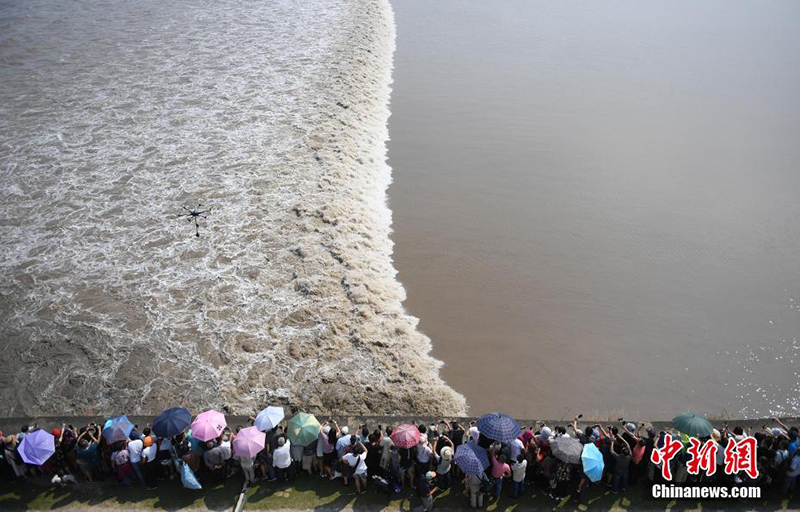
(113, 115)
(597, 204)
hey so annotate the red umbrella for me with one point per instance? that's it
(405, 436)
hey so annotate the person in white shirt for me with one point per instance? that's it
(518, 475)
(474, 435)
(342, 442)
(516, 448)
(424, 453)
(148, 462)
(282, 460)
(357, 460)
(444, 463)
(227, 451)
(386, 449)
(135, 448)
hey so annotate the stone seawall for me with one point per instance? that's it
(12, 425)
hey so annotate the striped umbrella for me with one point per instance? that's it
(471, 458)
(499, 427)
(405, 435)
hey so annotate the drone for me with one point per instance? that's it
(193, 214)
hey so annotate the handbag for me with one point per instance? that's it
(188, 479)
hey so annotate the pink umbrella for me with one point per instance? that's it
(248, 442)
(405, 436)
(208, 425)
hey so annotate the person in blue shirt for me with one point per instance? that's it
(88, 455)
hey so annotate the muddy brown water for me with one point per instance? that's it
(595, 205)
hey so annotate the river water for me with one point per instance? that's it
(595, 204)
(114, 117)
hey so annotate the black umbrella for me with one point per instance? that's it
(172, 422)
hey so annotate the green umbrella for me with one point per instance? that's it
(693, 425)
(302, 429)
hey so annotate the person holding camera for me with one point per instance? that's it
(88, 453)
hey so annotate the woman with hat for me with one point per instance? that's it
(443, 452)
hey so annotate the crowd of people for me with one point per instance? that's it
(369, 457)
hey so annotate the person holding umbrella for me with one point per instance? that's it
(406, 437)
(247, 444)
(473, 483)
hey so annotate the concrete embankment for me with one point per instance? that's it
(12, 424)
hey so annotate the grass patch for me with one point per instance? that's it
(324, 495)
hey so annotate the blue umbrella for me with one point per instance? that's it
(471, 458)
(171, 422)
(117, 429)
(499, 427)
(593, 463)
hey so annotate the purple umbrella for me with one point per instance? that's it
(471, 458)
(208, 425)
(37, 447)
(248, 442)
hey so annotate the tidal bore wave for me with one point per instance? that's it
(272, 113)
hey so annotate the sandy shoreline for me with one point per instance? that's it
(290, 298)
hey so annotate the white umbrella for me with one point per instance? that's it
(269, 418)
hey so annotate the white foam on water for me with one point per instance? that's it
(275, 114)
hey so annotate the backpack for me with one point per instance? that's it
(381, 484)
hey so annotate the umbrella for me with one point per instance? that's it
(208, 425)
(37, 447)
(567, 449)
(592, 462)
(693, 425)
(302, 429)
(405, 435)
(269, 418)
(248, 442)
(471, 458)
(498, 427)
(117, 429)
(171, 422)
